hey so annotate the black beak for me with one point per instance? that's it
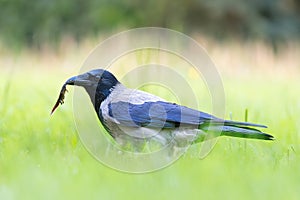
(80, 80)
(71, 81)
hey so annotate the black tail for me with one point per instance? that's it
(240, 129)
(245, 132)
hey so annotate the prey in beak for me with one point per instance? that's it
(63, 90)
(90, 80)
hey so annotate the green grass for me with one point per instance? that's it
(41, 156)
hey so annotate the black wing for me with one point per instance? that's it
(162, 114)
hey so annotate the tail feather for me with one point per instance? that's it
(238, 129)
(245, 132)
(235, 123)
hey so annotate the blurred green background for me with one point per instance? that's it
(255, 46)
(36, 21)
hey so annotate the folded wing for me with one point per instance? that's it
(160, 114)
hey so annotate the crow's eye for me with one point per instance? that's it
(94, 78)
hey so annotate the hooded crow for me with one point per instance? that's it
(134, 115)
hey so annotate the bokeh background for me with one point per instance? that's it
(255, 46)
(36, 21)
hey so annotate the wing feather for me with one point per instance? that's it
(160, 114)
(157, 114)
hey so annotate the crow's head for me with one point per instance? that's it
(98, 83)
(93, 79)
